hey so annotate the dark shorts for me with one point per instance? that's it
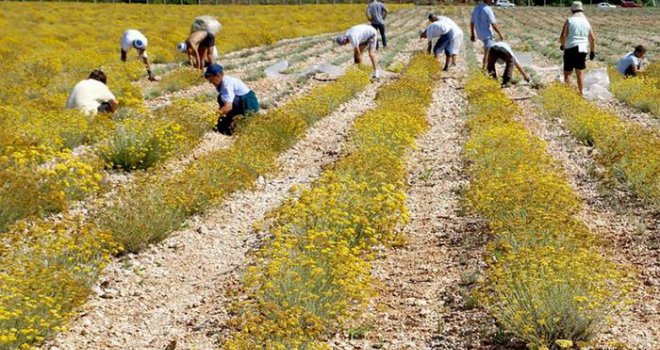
(573, 59)
(209, 41)
(444, 44)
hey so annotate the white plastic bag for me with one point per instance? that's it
(596, 83)
(206, 22)
(275, 70)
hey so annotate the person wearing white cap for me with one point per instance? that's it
(200, 48)
(481, 21)
(576, 39)
(132, 38)
(362, 37)
(452, 40)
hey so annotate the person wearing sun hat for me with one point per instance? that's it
(576, 40)
(362, 37)
(234, 98)
(133, 38)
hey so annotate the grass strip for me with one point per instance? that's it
(548, 282)
(630, 152)
(313, 271)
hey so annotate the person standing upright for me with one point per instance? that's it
(576, 39)
(376, 13)
(482, 20)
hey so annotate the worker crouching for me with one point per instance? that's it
(235, 98)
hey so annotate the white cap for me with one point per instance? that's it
(182, 47)
(576, 6)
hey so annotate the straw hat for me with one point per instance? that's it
(576, 6)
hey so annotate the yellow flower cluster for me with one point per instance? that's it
(59, 260)
(46, 270)
(37, 180)
(548, 281)
(642, 91)
(67, 41)
(313, 272)
(630, 152)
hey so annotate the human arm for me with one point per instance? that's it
(497, 29)
(357, 55)
(592, 44)
(522, 71)
(563, 36)
(226, 108)
(472, 31)
(123, 55)
(113, 105)
(209, 55)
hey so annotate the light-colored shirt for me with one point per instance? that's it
(437, 29)
(129, 37)
(88, 95)
(450, 22)
(506, 47)
(360, 34)
(376, 12)
(232, 87)
(483, 18)
(578, 32)
(628, 60)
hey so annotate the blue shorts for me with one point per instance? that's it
(488, 43)
(444, 44)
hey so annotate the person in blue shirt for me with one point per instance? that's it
(481, 21)
(631, 64)
(234, 98)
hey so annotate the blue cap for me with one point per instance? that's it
(139, 44)
(213, 69)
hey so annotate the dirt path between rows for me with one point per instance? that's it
(631, 229)
(172, 292)
(423, 287)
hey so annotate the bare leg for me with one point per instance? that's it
(579, 75)
(447, 59)
(453, 60)
(485, 60)
(567, 77)
(374, 60)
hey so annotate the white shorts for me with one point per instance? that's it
(456, 43)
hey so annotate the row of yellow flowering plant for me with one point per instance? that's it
(145, 212)
(312, 272)
(630, 152)
(642, 91)
(548, 281)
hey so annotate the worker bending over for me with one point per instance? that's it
(631, 64)
(455, 38)
(234, 98)
(92, 95)
(134, 39)
(500, 52)
(200, 48)
(362, 37)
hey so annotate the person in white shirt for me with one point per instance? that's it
(576, 39)
(482, 20)
(362, 37)
(501, 52)
(92, 95)
(234, 98)
(134, 39)
(631, 64)
(452, 47)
